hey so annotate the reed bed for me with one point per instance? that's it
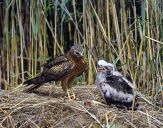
(127, 33)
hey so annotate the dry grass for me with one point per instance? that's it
(47, 108)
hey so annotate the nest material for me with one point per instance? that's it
(48, 108)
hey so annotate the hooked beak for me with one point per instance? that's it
(81, 53)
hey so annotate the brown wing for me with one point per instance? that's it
(54, 61)
(56, 68)
(53, 70)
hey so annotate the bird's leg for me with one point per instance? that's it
(70, 88)
(69, 96)
(66, 89)
(72, 94)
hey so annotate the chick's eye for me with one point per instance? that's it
(99, 66)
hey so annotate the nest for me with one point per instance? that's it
(47, 107)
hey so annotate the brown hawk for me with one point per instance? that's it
(114, 88)
(64, 68)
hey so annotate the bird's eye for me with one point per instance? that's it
(99, 66)
(77, 53)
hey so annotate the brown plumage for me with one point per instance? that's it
(64, 68)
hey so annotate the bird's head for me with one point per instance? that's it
(76, 51)
(103, 66)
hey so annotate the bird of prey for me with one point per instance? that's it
(114, 88)
(64, 68)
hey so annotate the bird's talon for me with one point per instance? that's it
(72, 97)
(67, 98)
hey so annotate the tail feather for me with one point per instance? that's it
(36, 80)
(33, 87)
